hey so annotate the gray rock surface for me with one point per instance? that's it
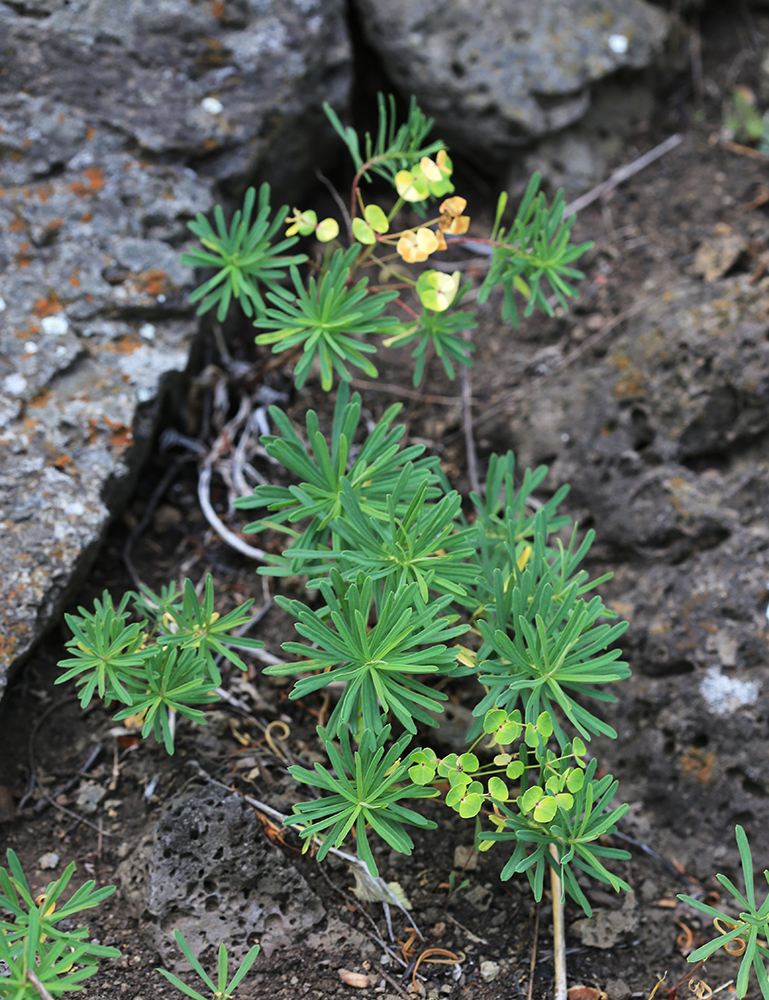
(497, 74)
(94, 320)
(208, 870)
(118, 123)
(686, 382)
(232, 87)
(671, 465)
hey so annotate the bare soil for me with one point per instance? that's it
(649, 227)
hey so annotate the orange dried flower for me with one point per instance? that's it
(452, 220)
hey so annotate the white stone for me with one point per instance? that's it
(14, 384)
(2, 304)
(489, 971)
(212, 106)
(147, 330)
(30, 347)
(55, 326)
(619, 44)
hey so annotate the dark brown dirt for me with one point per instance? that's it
(649, 227)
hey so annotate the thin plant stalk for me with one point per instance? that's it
(559, 937)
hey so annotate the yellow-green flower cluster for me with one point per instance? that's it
(306, 223)
(428, 177)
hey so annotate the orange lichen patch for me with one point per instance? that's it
(47, 307)
(90, 133)
(127, 344)
(17, 634)
(29, 423)
(17, 225)
(74, 278)
(698, 764)
(623, 608)
(62, 117)
(121, 436)
(214, 57)
(55, 224)
(43, 193)
(40, 399)
(152, 282)
(62, 461)
(217, 8)
(209, 145)
(631, 386)
(23, 258)
(93, 430)
(95, 177)
(86, 217)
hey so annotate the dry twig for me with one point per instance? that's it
(621, 174)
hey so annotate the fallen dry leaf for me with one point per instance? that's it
(717, 257)
(356, 979)
(580, 992)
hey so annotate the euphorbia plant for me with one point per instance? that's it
(540, 648)
(402, 565)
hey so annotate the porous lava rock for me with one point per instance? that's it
(208, 869)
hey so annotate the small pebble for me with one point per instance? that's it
(465, 858)
(212, 106)
(55, 326)
(49, 860)
(489, 971)
(89, 796)
(14, 384)
(618, 44)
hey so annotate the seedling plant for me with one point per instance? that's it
(41, 956)
(743, 935)
(37, 945)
